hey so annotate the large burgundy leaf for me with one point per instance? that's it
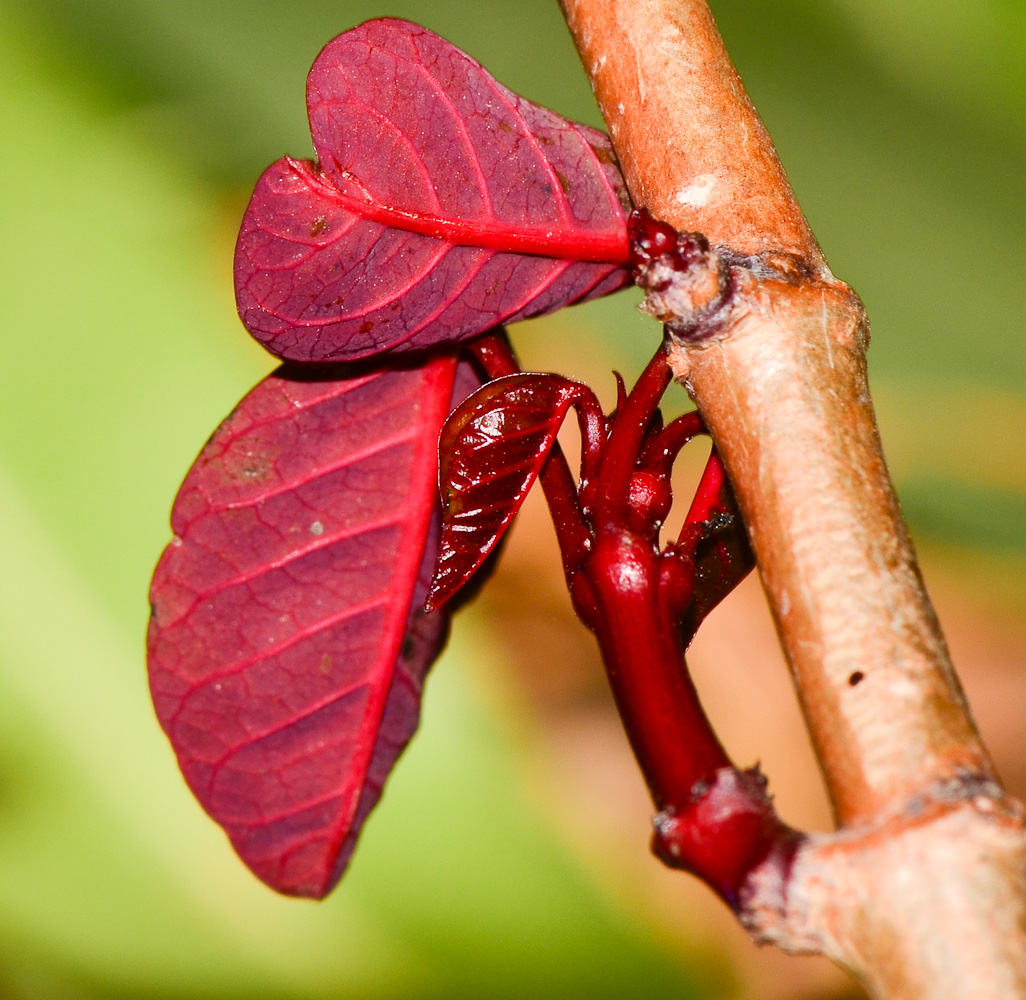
(441, 204)
(287, 644)
(491, 450)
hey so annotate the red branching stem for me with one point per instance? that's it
(713, 819)
(632, 596)
(622, 594)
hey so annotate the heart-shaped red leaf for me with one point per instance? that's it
(287, 645)
(490, 452)
(441, 204)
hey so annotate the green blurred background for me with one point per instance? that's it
(132, 131)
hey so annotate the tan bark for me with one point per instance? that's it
(921, 892)
(784, 390)
(692, 147)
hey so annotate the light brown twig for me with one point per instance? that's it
(922, 892)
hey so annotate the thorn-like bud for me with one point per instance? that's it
(649, 501)
(686, 282)
(649, 238)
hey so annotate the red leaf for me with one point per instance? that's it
(491, 451)
(441, 205)
(714, 539)
(287, 645)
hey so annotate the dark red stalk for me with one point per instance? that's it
(626, 594)
(631, 596)
(714, 820)
(663, 447)
(624, 591)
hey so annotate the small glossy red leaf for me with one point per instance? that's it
(491, 451)
(287, 645)
(441, 204)
(716, 542)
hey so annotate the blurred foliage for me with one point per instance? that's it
(133, 130)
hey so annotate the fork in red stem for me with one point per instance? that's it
(644, 604)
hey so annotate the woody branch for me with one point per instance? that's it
(922, 890)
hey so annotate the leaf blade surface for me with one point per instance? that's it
(287, 647)
(491, 450)
(441, 204)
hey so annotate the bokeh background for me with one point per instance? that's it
(508, 857)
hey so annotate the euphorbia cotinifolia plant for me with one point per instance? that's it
(331, 523)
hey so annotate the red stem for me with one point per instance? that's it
(494, 353)
(662, 450)
(592, 423)
(714, 820)
(620, 591)
(626, 438)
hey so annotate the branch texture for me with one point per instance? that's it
(920, 892)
